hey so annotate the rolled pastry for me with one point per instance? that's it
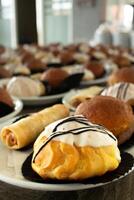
(26, 130)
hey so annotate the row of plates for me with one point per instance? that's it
(40, 101)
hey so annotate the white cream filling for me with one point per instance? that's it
(87, 138)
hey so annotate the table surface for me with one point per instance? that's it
(122, 189)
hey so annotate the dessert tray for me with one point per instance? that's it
(13, 163)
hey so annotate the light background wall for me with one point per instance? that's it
(86, 19)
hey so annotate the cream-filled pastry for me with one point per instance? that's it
(75, 149)
(123, 91)
(25, 87)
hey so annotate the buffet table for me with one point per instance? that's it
(122, 189)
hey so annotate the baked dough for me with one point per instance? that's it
(85, 94)
(26, 130)
(75, 149)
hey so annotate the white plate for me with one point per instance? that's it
(42, 100)
(10, 172)
(18, 105)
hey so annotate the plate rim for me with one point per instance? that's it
(18, 106)
(24, 183)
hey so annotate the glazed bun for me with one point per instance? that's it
(122, 75)
(121, 61)
(96, 67)
(54, 76)
(110, 112)
(4, 73)
(66, 57)
(5, 97)
(6, 103)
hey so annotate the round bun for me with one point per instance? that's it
(66, 57)
(96, 67)
(4, 73)
(122, 75)
(36, 65)
(5, 97)
(121, 61)
(114, 114)
(54, 76)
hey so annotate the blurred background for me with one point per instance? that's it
(66, 21)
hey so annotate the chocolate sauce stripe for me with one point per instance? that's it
(56, 134)
(69, 120)
(125, 90)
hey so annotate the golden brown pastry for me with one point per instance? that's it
(85, 94)
(75, 149)
(66, 57)
(122, 75)
(6, 103)
(121, 61)
(96, 67)
(114, 114)
(26, 130)
(5, 97)
(4, 73)
(54, 76)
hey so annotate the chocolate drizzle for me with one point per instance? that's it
(121, 90)
(79, 119)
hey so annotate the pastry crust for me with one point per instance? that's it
(85, 94)
(26, 130)
(65, 162)
(122, 75)
(112, 113)
(74, 149)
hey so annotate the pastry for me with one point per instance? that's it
(6, 102)
(54, 76)
(122, 75)
(75, 149)
(96, 67)
(26, 130)
(25, 87)
(21, 70)
(4, 73)
(84, 94)
(36, 65)
(112, 113)
(122, 91)
(5, 97)
(121, 61)
(66, 57)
